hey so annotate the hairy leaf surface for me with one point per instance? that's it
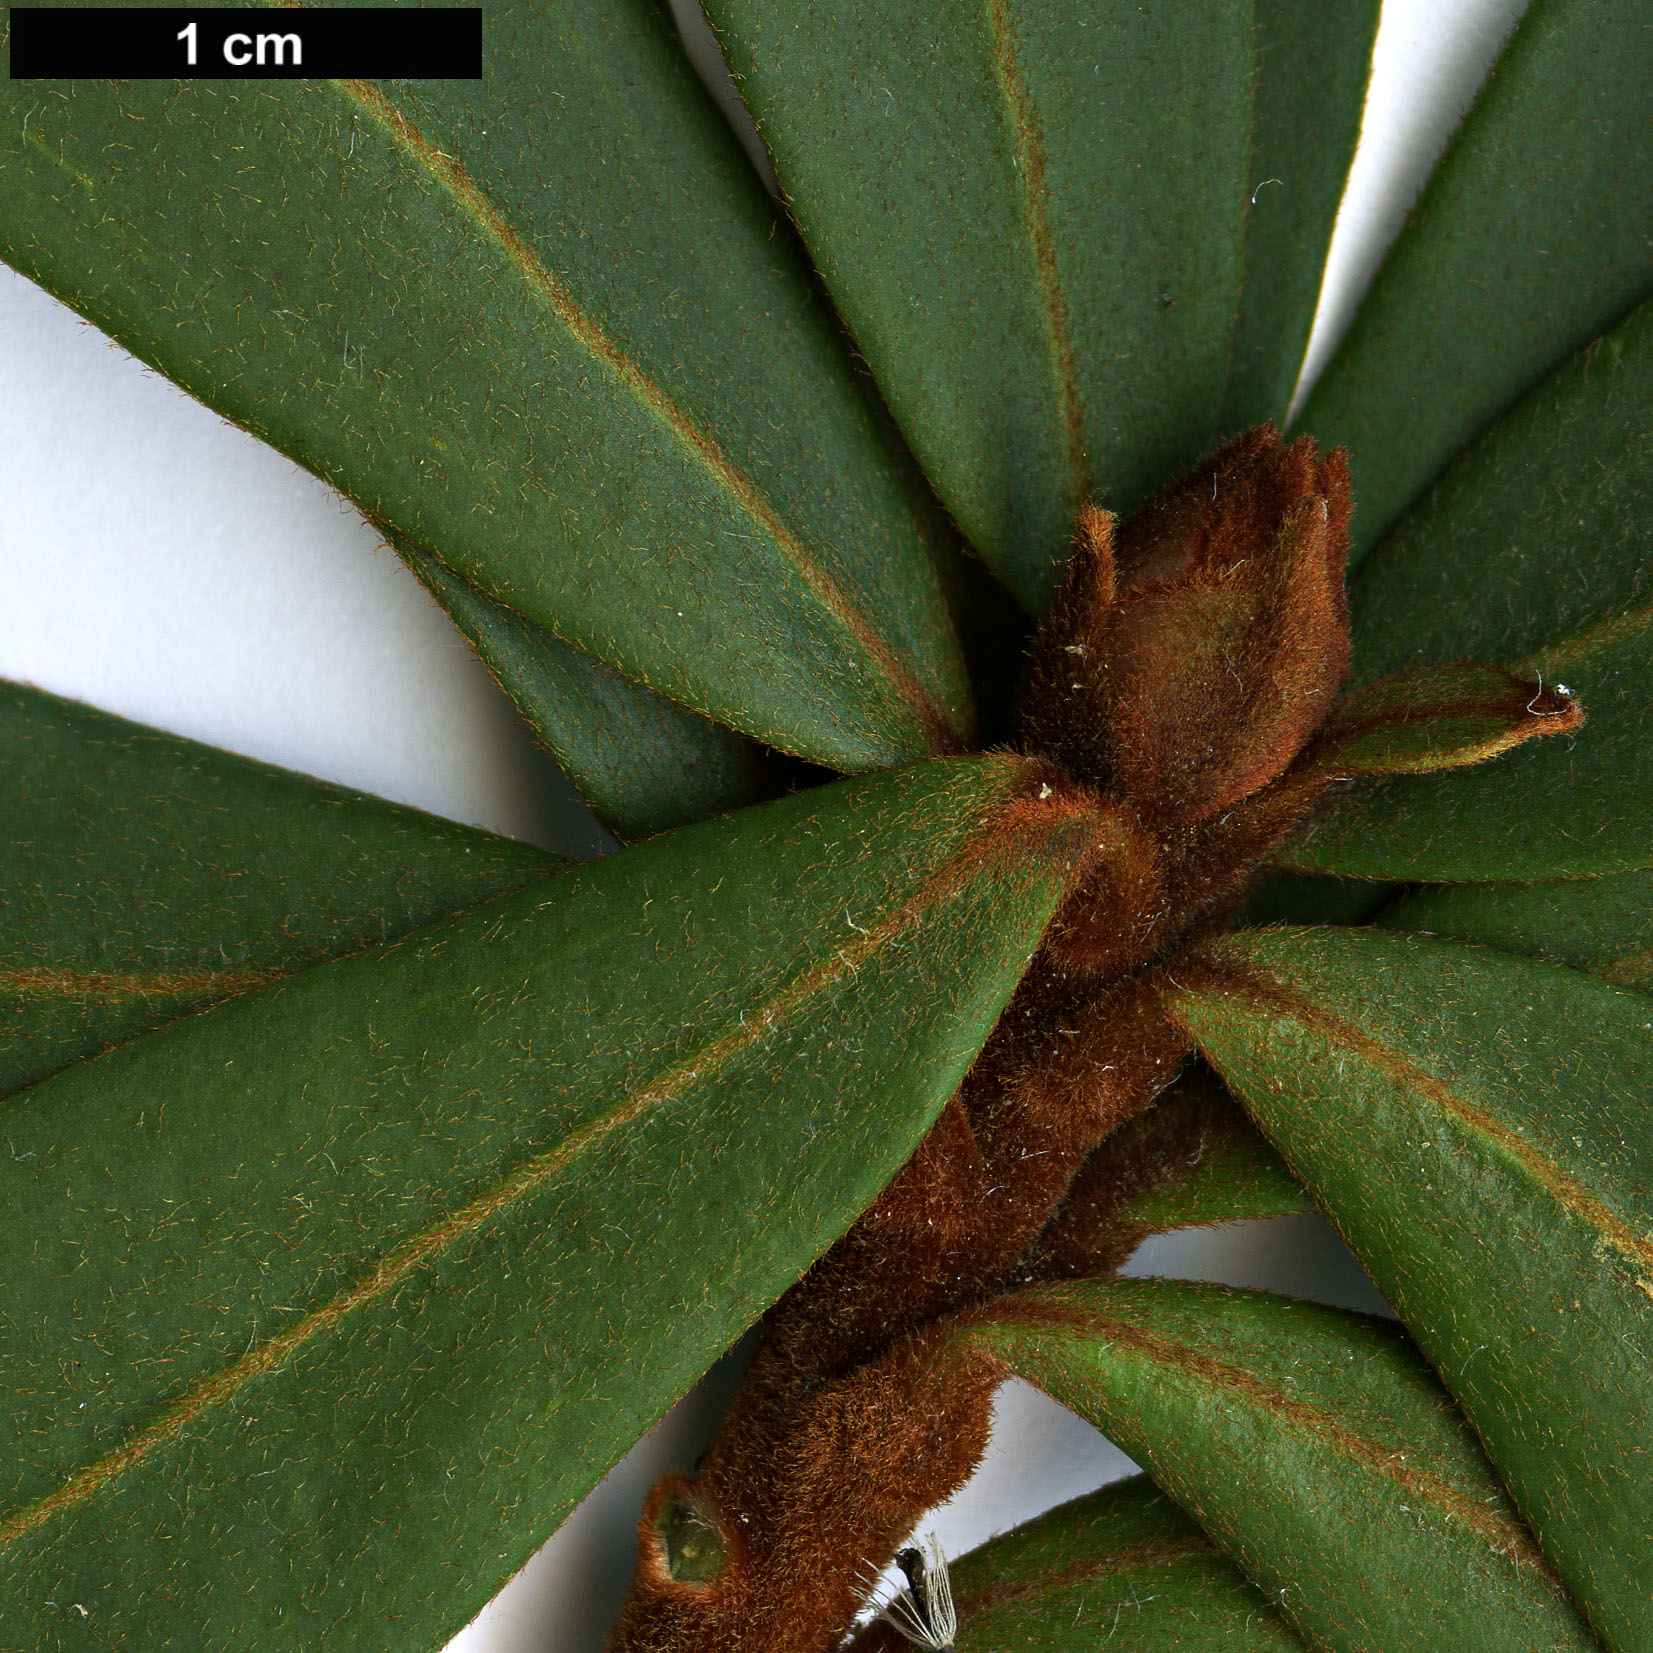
(1365, 1508)
(1530, 240)
(1235, 1177)
(1477, 1126)
(544, 326)
(1441, 717)
(643, 763)
(143, 876)
(1530, 553)
(1603, 925)
(395, 1260)
(986, 194)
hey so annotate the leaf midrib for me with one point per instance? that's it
(1503, 1537)
(1145, 1555)
(1027, 140)
(449, 174)
(1568, 1191)
(206, 1393)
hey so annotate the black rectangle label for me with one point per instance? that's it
(246, 43)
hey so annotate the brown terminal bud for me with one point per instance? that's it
(1190, 655)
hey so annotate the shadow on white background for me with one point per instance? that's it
(166, 566)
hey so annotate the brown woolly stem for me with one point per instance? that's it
(902, 1431)
(1177, 689)
(1086, 1235)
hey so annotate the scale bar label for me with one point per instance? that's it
(246, 43)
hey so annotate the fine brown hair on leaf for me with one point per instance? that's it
(1441, 717)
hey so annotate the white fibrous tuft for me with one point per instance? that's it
(923, 1610)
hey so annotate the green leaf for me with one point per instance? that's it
(1440, 717)
(1299, 898)
(1227, 1173)
(1313, 1444)
(1121, 1569)
(1603, 925)
(1530, 553)
(601, 388)
(1312, 65)
(394, 1261)
(1477, 1126)
(643, 763)
(1529, 240)
(1032, 218)
(143, 876)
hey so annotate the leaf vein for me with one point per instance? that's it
(1028, 138)
(599, 343)
(1002, 836)
(1567, 1190)
(1152, 1553)
(1505, 1536)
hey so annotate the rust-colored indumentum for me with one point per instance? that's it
(1186, 678)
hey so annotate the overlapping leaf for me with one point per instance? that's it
(1034, 219)
(1530, 553)
(1442, 717)
(544, 327)
(1603, 925)
(1232, 1176)
(1312, 62)
(1529, 241)
(1365, 1509)
(394, 1260)
(1477, 1125)
(143, 876)
(1121, 1569)
(643, 763)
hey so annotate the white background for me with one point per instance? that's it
(160, 563)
